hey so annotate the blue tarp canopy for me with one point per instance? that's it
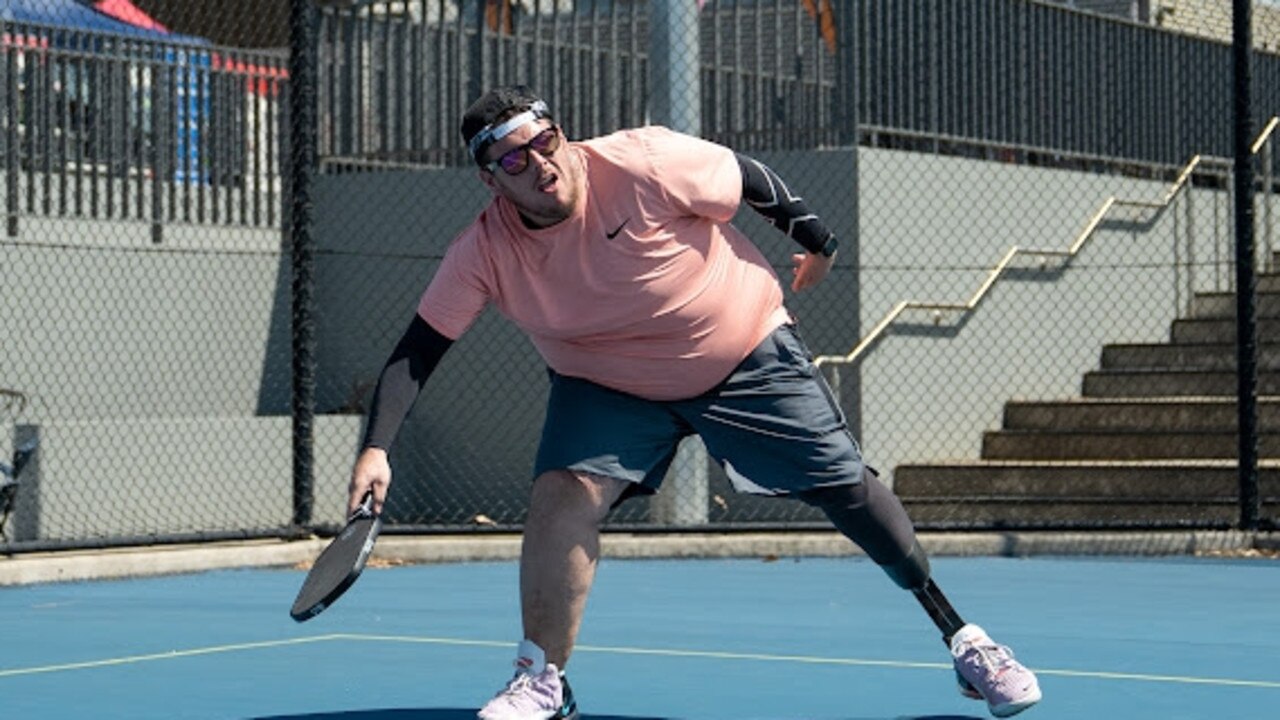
(74, 15)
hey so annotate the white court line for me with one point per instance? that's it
(704, 654)
(172, 654)
(811, 660)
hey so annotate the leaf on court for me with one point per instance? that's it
(304, 565)
(482, 519)
(1270, 553)
(770, 558)
(720, 502)
(383, 563)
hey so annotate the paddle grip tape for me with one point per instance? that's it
(768, 195)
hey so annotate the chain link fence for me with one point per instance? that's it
(1032, 321)
(145, 307)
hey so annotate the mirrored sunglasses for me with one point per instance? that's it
(515, 160)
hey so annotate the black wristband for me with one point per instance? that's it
(829, 247)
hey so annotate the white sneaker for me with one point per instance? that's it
(989, 672)
(538, 691)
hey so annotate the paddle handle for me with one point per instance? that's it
(365, 509)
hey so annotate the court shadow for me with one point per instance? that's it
(420, 714)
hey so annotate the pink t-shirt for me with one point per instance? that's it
(646, 289)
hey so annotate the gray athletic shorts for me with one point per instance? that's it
(773, 425)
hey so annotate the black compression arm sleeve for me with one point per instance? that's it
(765, 192)
(402, 378)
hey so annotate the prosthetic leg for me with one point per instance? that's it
(870, 515)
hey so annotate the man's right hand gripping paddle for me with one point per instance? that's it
(340, 564)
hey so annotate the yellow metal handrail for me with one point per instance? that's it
(1081, 240)
(1264, 136)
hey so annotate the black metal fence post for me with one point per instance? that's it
(846, 96)
(1246, 323)
(161, 172)
(302, 76)
(9, 147)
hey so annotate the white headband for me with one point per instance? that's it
(489, 134)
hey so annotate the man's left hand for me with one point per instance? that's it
(809, 269)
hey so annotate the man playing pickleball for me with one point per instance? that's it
(657, 319)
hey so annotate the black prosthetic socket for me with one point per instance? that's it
(870, 515)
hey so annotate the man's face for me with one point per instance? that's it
(548, 189)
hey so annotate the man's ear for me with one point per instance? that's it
(486, 177)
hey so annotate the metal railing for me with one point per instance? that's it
(1037, 74)
(396, 76)
(1182, 182)
(1269, 192)
(185, 355)
(109, 127)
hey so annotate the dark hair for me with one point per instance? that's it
(495, 106)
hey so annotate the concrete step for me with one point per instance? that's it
(1268, 283)
(1216, 356)
(1223, 305)
(1188, 480)
(1171, 383)
(1032, 514)
(1070, 494)
(1119, 445)
(1218, 330)
(1192, 414)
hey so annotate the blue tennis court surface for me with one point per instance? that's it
(828, 639)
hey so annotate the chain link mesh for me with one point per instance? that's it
(144, 313)
(1031, 322)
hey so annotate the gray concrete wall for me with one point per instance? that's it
(99, 322)
(146, 477)
(149, 366)
(932, 229)
(469, 445)
(157, 378)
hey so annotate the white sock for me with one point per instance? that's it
(966, 634)
(530, 658)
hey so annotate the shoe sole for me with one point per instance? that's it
(1000, 711)
(1013, 708)
(966, 688)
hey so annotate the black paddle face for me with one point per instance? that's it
(338, 566)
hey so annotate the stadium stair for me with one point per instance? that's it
(1151, 442)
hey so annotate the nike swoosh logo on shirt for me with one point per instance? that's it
(614, 234)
